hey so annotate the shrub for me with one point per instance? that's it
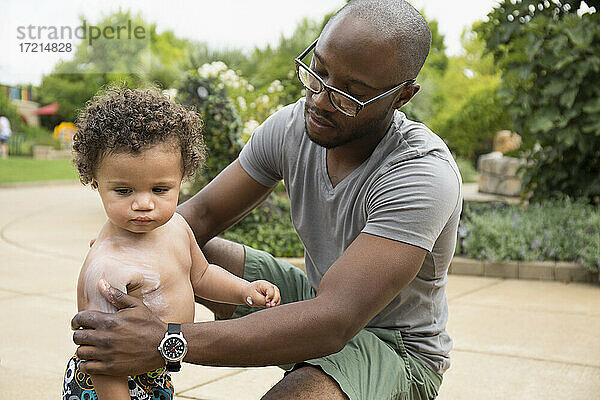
(550, 60)
(469, 132)
(560, 230)
(467, 170)
(222, 124)
(269, 228)
(36, 135)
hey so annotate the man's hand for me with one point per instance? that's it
(120, 344)
(261, 294)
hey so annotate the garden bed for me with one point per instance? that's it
(556, 231)
(554, 240)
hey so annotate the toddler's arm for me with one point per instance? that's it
(214, 283)
(90, 298)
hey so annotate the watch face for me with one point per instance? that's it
(173, 348)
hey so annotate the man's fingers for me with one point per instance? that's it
(83, 336)
(86, 353)
(85, 319)
(116, 297)
(92, 367)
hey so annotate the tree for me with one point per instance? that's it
(550, 61)
(429, 101)
(472, 111)
(222, 124)
(154, 59)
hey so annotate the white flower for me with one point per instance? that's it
(212, 70)
(275, 86)
(242, 103)
(170, 93)
(249, 127)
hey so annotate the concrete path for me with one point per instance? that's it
(513, 339)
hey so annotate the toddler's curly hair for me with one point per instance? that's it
(121, 120)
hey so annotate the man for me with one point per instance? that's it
(376, 201)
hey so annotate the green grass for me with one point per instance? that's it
(22, 169)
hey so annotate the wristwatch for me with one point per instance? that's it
(173, 347)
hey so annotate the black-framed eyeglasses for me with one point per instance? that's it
(343, 102)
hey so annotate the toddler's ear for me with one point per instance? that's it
(94, 184)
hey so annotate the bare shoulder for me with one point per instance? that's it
(100, 262)
(182, 226)
(181, 222)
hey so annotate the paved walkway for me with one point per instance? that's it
(513, 339)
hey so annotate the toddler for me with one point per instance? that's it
(135, 147)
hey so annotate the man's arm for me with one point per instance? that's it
(224, 201)
(366, 278)
(369, 274)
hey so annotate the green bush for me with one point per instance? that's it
(36, 135)
(559, 230)
(467, 170)
(222, 124)
(269, 228)
(550, 61)
(470, 132)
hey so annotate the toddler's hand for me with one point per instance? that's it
(262, 293)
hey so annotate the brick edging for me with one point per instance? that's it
(538, 270)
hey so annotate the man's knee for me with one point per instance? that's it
(307, 382)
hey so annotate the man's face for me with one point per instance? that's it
(350, 59)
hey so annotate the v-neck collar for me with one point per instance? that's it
(348, 178)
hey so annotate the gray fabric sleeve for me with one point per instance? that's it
(412, 201)
(262, 156)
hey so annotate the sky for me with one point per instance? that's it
(222, 24)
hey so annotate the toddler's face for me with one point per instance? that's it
(140, 191)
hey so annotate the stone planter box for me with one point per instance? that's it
(537, 270)
(49, 153)
(498, 174)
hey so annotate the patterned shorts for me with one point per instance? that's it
(153, 385)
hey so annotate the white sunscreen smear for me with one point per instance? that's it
(119, 268)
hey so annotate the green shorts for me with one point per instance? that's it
(373, 365)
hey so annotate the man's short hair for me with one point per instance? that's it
(395, 21)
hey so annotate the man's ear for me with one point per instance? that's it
(406, 95)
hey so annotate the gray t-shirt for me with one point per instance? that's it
(408, 190)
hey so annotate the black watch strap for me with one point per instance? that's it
(173, 366)
(173, 329)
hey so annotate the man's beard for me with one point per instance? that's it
(337, 140)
